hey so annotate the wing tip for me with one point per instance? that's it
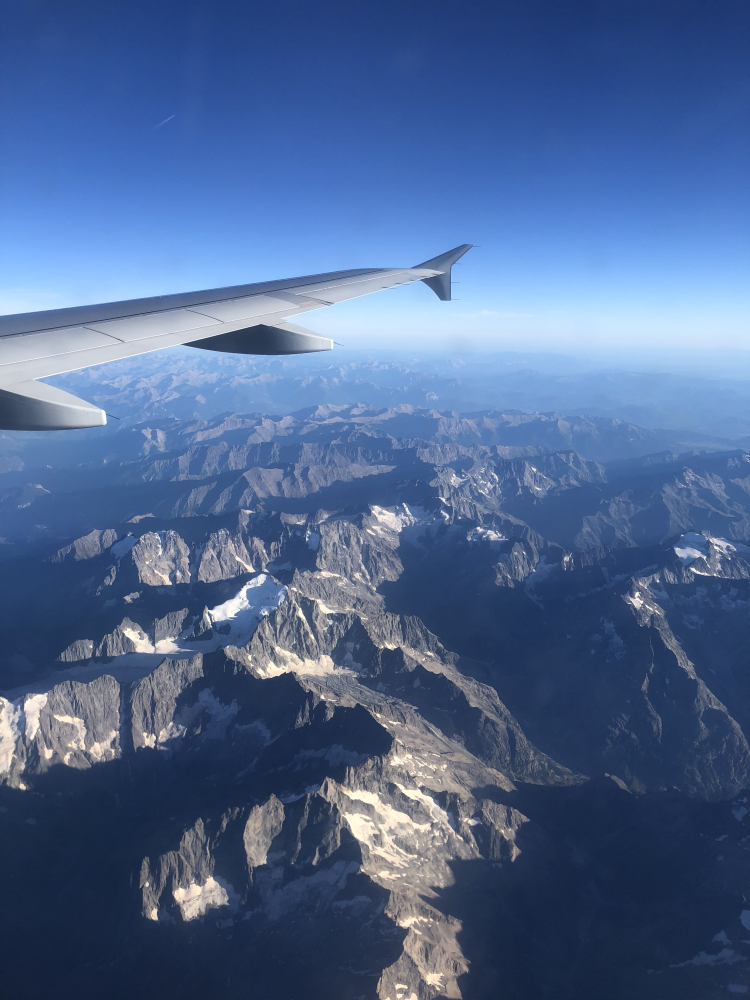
(441, 283)
(36, 406)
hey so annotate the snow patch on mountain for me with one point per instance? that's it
(10, 717)
(397, 519)
(195, 900)
(237, 619)
(313, 540)
(707, 555)
(690, 547)
(243, 612)
(32, 707)
(487, 536)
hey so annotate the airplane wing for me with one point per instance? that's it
(243, 319)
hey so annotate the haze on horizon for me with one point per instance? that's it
(598, 154)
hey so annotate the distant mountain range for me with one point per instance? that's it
(374, 700)
(708, 404)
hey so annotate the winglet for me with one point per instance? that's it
(441, 283)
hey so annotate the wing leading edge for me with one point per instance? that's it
(242, 319)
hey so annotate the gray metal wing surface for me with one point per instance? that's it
(243, 319)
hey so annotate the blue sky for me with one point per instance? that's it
(598, 152)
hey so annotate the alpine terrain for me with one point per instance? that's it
(362, 701)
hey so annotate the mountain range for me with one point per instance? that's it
(360, 700)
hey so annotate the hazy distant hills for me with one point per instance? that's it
(374, 699)
(709, 401)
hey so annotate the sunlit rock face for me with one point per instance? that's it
(161, 558)
(380, 703)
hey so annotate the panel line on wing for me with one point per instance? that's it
(299, 298)
(111, 336)
(52, 343)
(152, 325)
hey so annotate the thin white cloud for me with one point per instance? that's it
(482, 313)
(164, 122)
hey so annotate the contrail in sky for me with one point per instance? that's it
(164, 122)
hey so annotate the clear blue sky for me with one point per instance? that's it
(598, 152)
